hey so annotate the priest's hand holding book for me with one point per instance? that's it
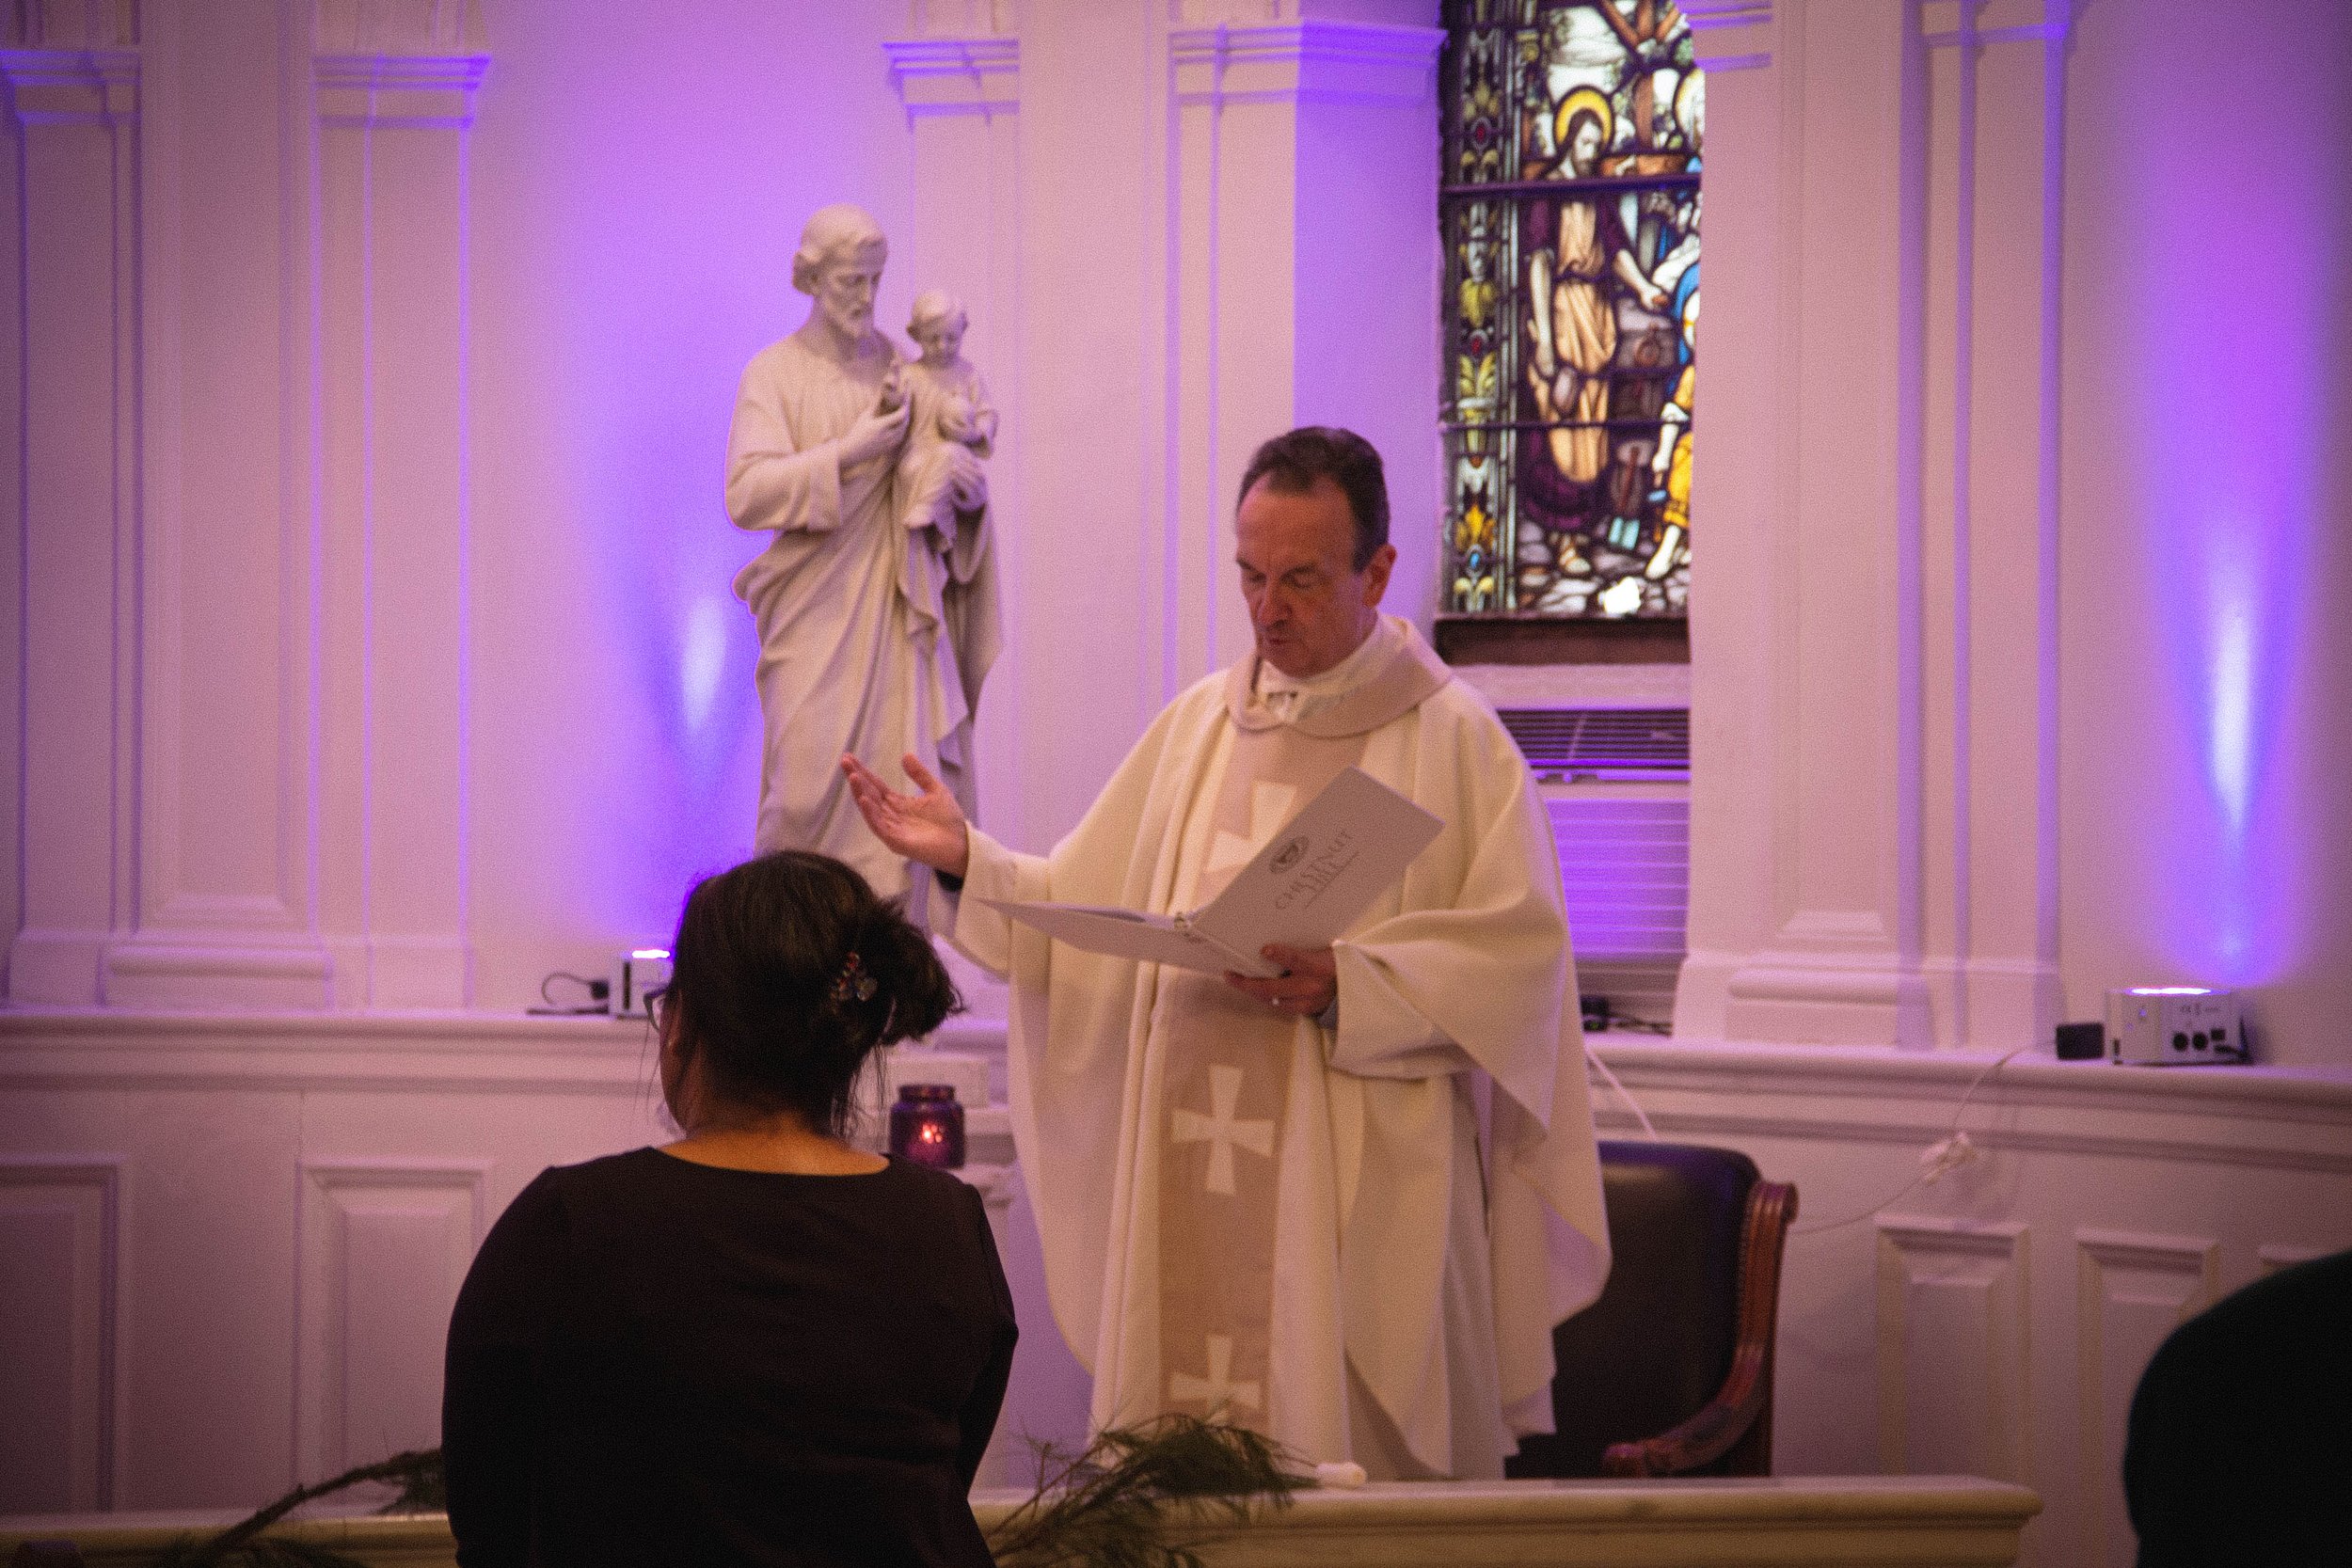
(1308, 983)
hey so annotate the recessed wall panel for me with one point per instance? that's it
(2131, 1290)
(1952, 1342)
(57, 1336)
(384, 1249)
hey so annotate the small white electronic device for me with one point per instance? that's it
(636, 974)
(2170, 1026)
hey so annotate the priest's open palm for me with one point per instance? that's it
(928, 827)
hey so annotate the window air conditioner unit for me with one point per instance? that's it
(1610, 746)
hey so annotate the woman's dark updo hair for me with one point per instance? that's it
(764, 990)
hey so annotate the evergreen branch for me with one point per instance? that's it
(1107, 1507)
(242, 1546)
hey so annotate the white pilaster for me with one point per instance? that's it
(226, 916)
(1302, 283)
(962, 97)
(72, 75)
(395, 89)
(1989, 561)
(1874, 772)
(1805, 770)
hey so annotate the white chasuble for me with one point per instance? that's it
(873, 640)
(1355, 1239)
(1237, 1090)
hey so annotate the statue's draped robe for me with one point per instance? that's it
(859, 649)
(943, 500)
(1356, 1240)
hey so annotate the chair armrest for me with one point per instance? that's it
(1722, 1424)
(1707, 1436)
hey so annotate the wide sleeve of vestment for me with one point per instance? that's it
(1472, 968)
(492, 1391)
(773, 482)
(1470, 960)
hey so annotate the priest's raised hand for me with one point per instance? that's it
(928, 828)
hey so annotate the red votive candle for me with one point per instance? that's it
(927, 1126)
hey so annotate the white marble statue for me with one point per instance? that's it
(943, 491)
(954, 424)
(876, 627)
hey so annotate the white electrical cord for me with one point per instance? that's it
(1947, 1153)
(1634, 1106)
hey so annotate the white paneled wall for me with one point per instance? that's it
(231, 1246)
(1995, 1320)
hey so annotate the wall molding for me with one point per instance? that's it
(1303, 62)
(76, 90)
(2281, 1118)
(1730, 35)
(1953, 1321)
(429, 91)
(388, 519)
(955, 75)
(2131, 1290)
(2273, 1256)
(72, 86)
(1952, 23)
(169, 970)
(83, 1194)
(382, 1247)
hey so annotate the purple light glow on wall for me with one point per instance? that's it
(636, 254)
(2231, 401)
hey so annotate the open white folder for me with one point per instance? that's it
(1318, 872)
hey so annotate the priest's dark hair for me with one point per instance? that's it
(1292, 463)
(787, 972)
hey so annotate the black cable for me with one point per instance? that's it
(598, 992)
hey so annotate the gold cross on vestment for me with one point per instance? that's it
(1220, 1131)
(1218, 1391)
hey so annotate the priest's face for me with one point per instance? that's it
(1309, 605)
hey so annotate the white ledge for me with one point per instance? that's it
(2034, 1074)
(1782, 1520)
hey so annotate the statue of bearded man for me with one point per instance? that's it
(854, 658)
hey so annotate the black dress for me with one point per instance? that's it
(659, 1362)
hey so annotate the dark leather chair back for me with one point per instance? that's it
(1658, 1344)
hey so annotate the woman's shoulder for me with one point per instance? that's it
(591, 1182)
(936, 1195)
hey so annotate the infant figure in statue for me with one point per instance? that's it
(950, 577)
(954, 424)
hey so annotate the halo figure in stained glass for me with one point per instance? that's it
(1570, 211)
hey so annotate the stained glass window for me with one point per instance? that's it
(1570, 210)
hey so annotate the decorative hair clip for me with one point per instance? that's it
(854, 984)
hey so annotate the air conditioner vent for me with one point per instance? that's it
(1647, 743)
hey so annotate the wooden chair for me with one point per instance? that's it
(1669, 1373)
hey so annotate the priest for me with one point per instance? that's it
(1345, 1206)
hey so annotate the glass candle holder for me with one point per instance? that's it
(927, 1126)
